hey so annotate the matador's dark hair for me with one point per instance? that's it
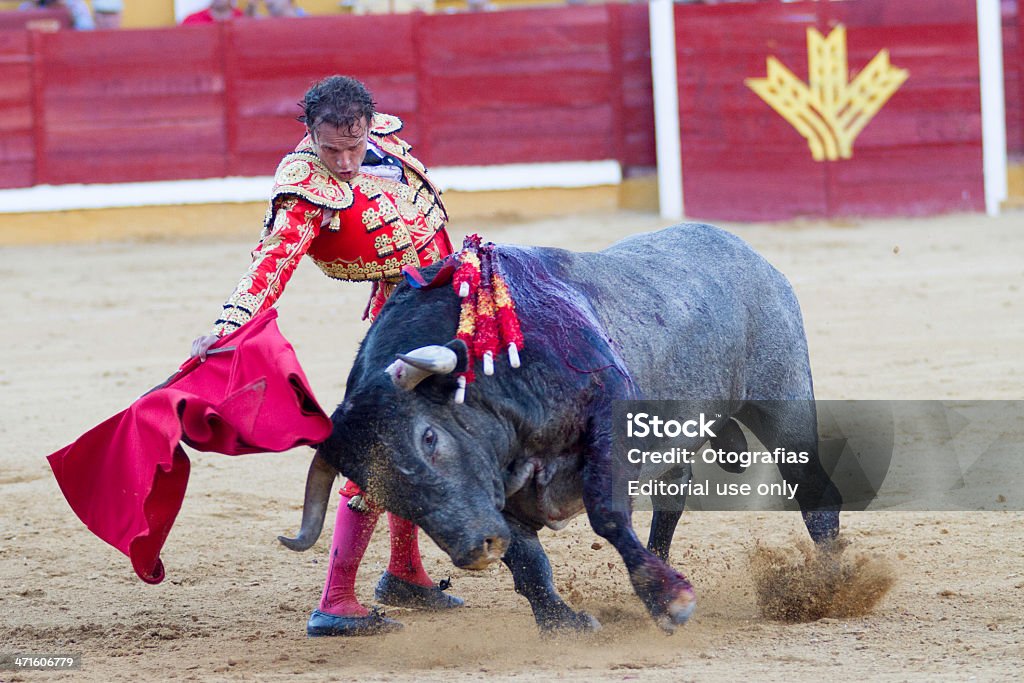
(338, 100)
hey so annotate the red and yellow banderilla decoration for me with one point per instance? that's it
(487, 321)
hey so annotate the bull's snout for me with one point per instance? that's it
(482, 552)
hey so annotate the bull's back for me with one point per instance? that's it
(695, 312)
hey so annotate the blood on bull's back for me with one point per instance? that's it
(691, 311)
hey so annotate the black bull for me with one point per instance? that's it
(689, 312)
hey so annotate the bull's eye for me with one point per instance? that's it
(429, 441)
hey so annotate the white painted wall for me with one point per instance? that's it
(239, 190)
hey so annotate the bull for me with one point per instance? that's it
(689, 312)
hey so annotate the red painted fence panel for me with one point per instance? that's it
(270, 64)
(1013, 63)
(741, 160)
(921, 153)
(519, 86)
(632, 23)
(136, 105)
(190, 102)
(17, 153)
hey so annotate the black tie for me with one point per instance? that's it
(373, 159)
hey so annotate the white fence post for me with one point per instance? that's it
(666, 109)
(993, 104)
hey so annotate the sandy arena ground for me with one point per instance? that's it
(896, 309)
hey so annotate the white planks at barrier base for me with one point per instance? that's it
(572, 174)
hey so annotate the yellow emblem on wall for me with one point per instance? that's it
(829, 110)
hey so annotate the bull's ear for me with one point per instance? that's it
(461, 354)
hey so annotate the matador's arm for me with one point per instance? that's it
(296, 223)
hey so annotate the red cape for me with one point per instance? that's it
(126, 477)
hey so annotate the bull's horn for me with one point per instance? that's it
(412, 368)
(439, 360)
(314, 508)
(406, 376)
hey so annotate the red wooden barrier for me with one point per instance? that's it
(17, 155)
(741, 160)
(522, 86)
(552, 84)
(1017, 148)
(634, 49)
(1011, 78)
(270, 64)
(920, 154)
(130, 106)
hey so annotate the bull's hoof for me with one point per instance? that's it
(569, 623)
(830, 554)
(374, 623)
(666, 593)
(678, 612)
(397, 592)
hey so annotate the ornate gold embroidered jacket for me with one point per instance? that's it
(364, 229)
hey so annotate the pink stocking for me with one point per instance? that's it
(352, 532)
(405, 562)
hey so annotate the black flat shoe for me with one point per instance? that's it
(397, 592)
(374, 623)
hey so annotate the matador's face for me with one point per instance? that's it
(341, 149)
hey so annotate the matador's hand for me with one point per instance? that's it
(200, 345)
